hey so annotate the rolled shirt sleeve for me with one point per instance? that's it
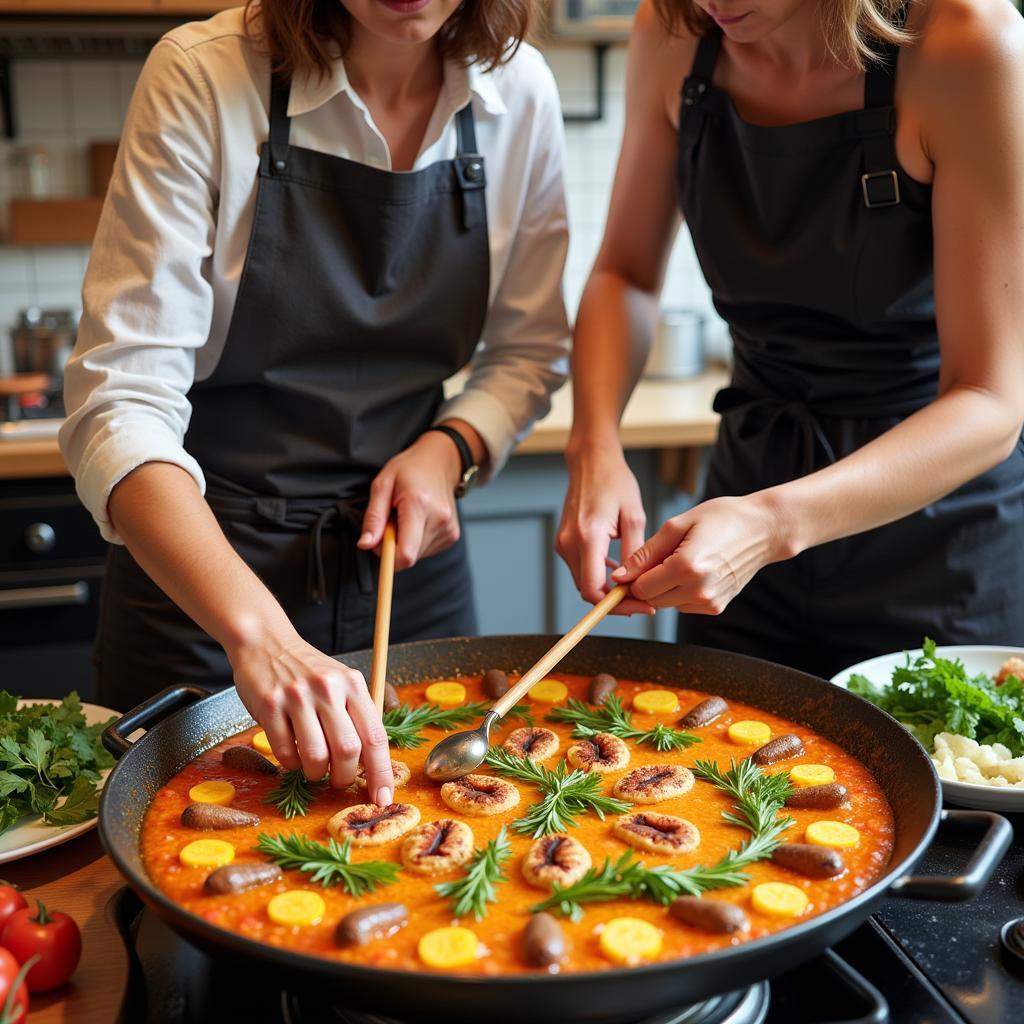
(523, 357)
(147, 300)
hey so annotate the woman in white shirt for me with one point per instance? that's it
(287, 268)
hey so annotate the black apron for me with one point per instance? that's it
(362, 291)
(818, 251)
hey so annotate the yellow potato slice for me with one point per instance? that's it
(446, 695)
(262, 744)
(207, 853)
(448, 947)
(630, 940)
(212, 792)
(811, 775)
(656, 702)
(297, 907)
(835, 834)
(549, 691)
(779, 899)
(749, 733)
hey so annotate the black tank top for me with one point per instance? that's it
(817, 247)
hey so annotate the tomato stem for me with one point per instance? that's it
(43, 915)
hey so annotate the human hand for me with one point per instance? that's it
(419, 483)
(317, 713)
(700, 560)
(603, 503)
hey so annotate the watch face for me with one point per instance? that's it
(467, 481)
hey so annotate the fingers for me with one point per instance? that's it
(380, 779)
(309, 734)
(412, 523)
(279, 730)
(632, 521)
(651, 554)
(378, 510)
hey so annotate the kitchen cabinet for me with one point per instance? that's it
(521, 584)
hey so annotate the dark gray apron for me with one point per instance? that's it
(818, 250)
(362, 291)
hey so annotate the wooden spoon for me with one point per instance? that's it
(382, 623)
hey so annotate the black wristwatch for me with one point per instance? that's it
(469, 467)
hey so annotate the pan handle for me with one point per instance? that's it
(955, 888)
(147, 714)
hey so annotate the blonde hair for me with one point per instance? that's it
(853, 29)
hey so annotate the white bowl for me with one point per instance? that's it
(977, 658)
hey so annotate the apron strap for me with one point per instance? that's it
(280, 125)
(469, 168)
(704, 60)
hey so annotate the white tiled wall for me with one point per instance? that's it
(65, 105)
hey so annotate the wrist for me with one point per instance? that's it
(590, 445)
(785, 538)
(255, 628)
(442, 450)
(471, 436)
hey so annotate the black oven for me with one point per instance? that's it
(51, 569)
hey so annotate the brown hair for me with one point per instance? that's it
(306, 36)
(852, 28)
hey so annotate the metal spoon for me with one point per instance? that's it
(462, 752)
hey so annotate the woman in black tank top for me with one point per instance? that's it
(856, 201)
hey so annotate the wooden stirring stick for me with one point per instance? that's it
(382, 623)
(532, 675)
(462, 752)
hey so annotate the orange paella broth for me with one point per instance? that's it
(499, 932)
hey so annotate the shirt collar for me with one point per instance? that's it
(461, 83)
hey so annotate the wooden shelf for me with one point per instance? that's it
(53, 221)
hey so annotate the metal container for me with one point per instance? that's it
(898, 762)
(678, 349)
(43, 339)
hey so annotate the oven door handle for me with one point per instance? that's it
(954, 888)
(147, 714)
(44, 597)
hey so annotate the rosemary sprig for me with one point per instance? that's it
(524, 712)
(475, 889)
(564, 795)
(293, 796)
(758, 799)
(404, 724)
(612, 717)
(329, 865)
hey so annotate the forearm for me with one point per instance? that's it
(610, 345)
(171, 532)
(925, 457)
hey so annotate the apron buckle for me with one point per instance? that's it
(880, 188)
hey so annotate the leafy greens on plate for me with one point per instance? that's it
(931, 694)
(47, 751)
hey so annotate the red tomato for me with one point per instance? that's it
(9, 968)
(53, 937)
(10, 901)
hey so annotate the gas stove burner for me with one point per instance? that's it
(747, 1006)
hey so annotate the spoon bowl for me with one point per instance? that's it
(460, 753)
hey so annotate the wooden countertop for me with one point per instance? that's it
(78, 878)
(661, 414)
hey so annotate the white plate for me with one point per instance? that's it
(976, 659)
(30, 835)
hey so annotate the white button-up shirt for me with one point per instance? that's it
(171, 244)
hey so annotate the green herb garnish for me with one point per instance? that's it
(613, 718)
(329, 865)
(565, 795)
(758, 800)
(405, 724)
(475, 889)
(930, 695)
(48, 752)
(293, 796)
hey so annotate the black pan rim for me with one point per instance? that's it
(341, 971)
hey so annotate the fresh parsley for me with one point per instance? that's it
(484, 871)
(48, 752)
(329, 865)
(611, 717)
(564, 795)
(930, 694)
(758, 797)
